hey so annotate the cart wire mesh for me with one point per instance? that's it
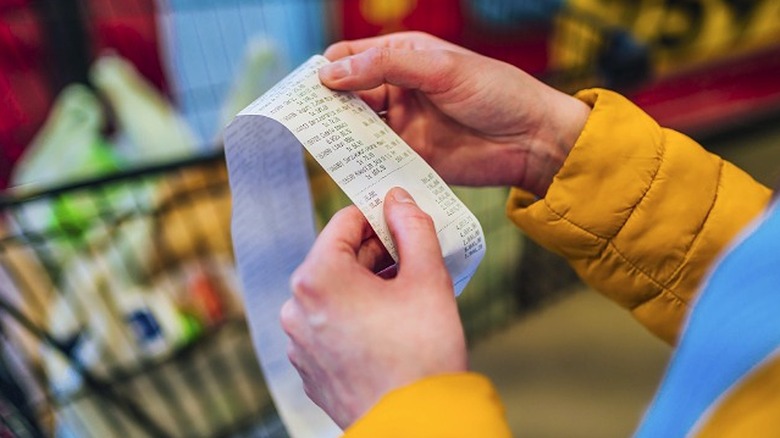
(158, 236)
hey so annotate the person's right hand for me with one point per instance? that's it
(478, 121)
(356, 336)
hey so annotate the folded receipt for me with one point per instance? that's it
(273, 221)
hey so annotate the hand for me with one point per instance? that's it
(476, 120)
(356, 336)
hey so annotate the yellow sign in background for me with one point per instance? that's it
(679, 33)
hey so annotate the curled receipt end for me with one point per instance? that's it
(273, 226)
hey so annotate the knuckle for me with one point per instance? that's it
(446, 62)
(288, 319)
(292, 355)
(302, 283)
(310, 392)
(447, 58)
(419, 219)
(418, 34)
(379, 55)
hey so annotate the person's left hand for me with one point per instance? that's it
(355, 335)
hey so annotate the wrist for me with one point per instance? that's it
(563, 119)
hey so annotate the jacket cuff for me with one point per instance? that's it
(447, 405)
(596, 158)
(639, 211)
(608, 211)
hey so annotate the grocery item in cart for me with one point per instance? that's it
(154, 129)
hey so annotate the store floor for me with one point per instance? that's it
(582, 367)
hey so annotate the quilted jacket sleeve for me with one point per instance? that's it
(639, 211)
(446, 406)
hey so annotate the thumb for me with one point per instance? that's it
(414, 235)
(430, 71)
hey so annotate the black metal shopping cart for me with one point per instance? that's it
(126, 319)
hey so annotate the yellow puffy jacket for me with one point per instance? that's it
(628, 188)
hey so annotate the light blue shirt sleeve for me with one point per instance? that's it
(733, 327)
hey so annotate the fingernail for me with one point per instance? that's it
(337, 70)
(401, 195)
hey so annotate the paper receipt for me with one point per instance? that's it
(273, 225)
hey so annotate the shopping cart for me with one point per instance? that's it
(119, 304)
(128, 320)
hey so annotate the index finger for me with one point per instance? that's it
(348, 239)
(342, 236)
(403, 40)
